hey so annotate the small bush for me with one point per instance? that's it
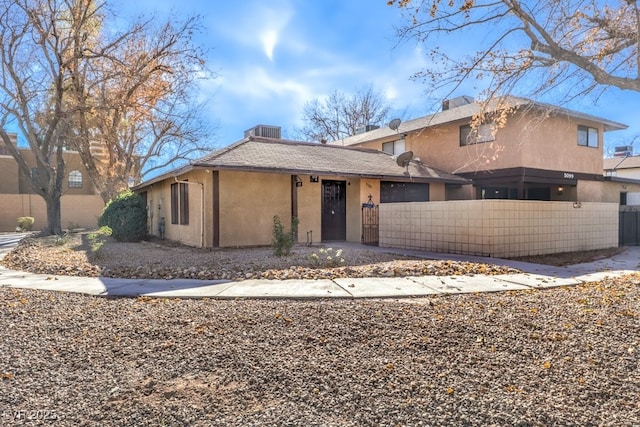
(327, 258)
(126, 216)
(283, 241)
(25, 223)
(98, 238)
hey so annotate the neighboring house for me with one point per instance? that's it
(518, 149)
(230, 197)
(80, 204)
(624, 173)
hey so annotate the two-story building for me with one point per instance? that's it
(512, 148)
(80, 204)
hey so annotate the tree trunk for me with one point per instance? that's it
(54, 222)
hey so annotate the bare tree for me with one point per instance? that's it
(342, 115)
(123, 99)
(36, 50)
(571, 47)
(135, 106)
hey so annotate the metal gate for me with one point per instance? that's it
(370, 221)
(629, 226)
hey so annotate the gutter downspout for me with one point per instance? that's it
(201, 207)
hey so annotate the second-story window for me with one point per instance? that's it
(75, 179)
(483, 133)
(587, 137)
(394, 147)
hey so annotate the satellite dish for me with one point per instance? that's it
(395, 124)
(404, 159)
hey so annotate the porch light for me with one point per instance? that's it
(560, 190)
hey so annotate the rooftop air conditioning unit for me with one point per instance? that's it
(366, 128)
(448, 104)
(624, 151)
(264, 131)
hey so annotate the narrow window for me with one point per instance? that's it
(469, 135)
(75, 179)
(174, 204)
(394, 147)
(180, 203)
(184, 203)
(587, 137)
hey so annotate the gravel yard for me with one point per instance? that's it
(165, 260)
(565, 356)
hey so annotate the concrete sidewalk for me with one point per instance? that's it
(534, 276)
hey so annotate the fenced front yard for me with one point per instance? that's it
(499, 228)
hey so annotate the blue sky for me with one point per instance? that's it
(273, 56)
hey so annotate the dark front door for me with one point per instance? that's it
(334, 210)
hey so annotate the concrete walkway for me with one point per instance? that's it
(533, 276)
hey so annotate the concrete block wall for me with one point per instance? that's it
(499, 228)
(77, 210)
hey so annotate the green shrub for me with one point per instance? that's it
(126, 216)
(283, 241)
(25, 223)
(98, 238)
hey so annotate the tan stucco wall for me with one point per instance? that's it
(369, 187)
(8, 176)
(309, 213)
(499, 228)
(159, 206)
(354, 211)
(72, 162)
(612, 190)
(248, 203)
(76, 210)
(527, 140)
(437, 192)
(591, 191)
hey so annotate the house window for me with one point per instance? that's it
(180, 203)
(469, 135)
(587, 137)
(394, 147)
(34, 173)
(75, 179)
(396, 192)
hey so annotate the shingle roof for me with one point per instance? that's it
(466, 112)
(319, 159)
(281, 156)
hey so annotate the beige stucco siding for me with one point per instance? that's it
(309, 210)
(553, 144)
(354, 210)
(370, 187)
(248, 203)
(159, 208)
(527, 140)
(8, 175)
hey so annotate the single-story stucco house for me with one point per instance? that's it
(230, 197)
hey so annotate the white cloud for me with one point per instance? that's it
(269, 40)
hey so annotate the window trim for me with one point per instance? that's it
(483, 133)
(588, 133)
(180, 203)
(75, 179)
(398, 146)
